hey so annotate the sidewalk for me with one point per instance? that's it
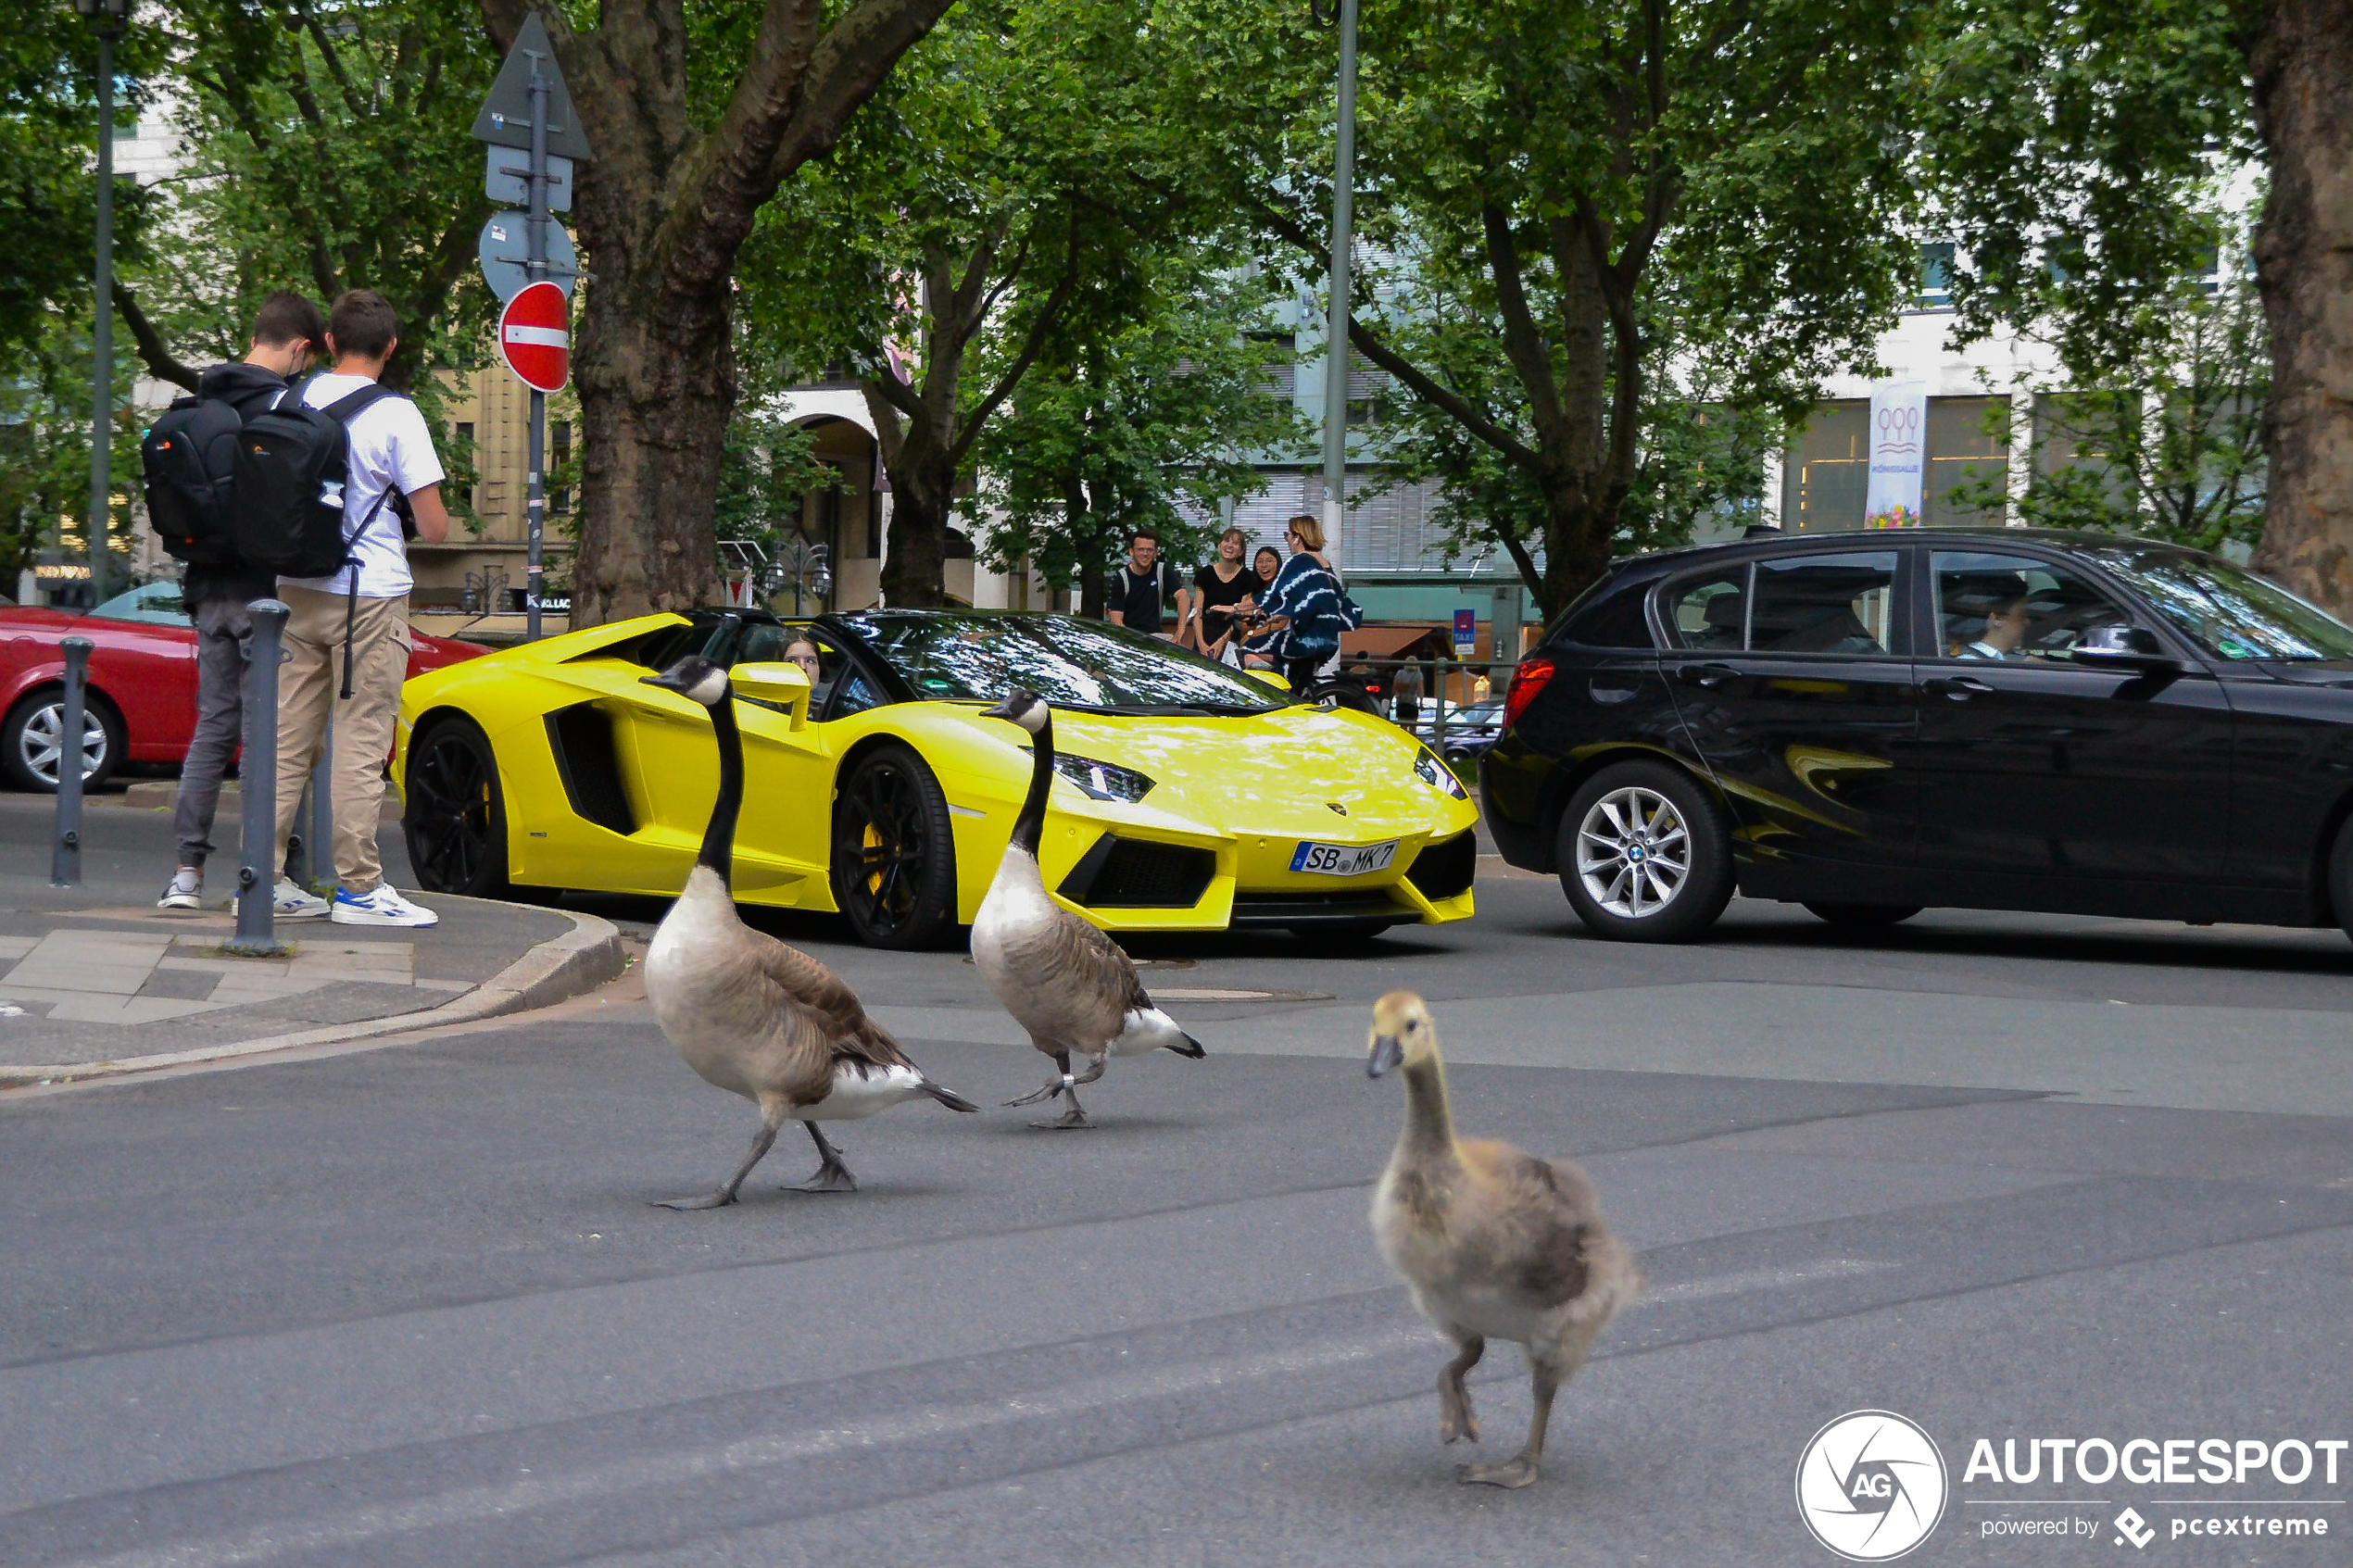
(95, 980)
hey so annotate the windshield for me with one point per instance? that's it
(2230, 613)
(1071, 663)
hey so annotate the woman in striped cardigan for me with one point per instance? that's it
(1309, 604)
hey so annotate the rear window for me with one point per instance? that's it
(1616, 622)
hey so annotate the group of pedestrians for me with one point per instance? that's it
(356, 617)
(1279, 614)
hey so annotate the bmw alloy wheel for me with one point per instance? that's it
(1634, 852)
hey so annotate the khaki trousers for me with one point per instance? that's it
(308, 684)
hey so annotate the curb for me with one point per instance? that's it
(562, 967)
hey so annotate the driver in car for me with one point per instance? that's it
(2005, 634)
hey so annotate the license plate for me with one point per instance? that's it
(1343, 859)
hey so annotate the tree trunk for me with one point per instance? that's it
(2302, 62)
(654, 404)
(922, 488)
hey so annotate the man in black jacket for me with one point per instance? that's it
(287, 332)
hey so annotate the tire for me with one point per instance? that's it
(894, 858)
(29, 736)
(1863, 916)
(455, 816)
(1651, 810)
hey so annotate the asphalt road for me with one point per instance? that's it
(2009, 1177)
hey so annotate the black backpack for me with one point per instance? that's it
(291, 471)
(187, 463)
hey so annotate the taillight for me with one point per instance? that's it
(1532, 676)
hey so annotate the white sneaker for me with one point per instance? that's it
(289, 902)
(186, 891)
(380, 906)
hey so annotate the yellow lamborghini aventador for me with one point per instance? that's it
(1192, 796)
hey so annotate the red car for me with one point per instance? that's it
(143, 683)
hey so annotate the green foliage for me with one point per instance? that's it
(2172, 446)
(1142, 416)
(2072, 145)
(766, 466)
(1578, 199)
(44, 449)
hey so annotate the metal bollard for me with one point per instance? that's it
(257, 935)
(65, 859)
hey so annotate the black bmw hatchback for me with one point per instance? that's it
(1871, 724)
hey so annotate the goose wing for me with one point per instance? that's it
(1104, 967)
(814, 989)
(1545, 1219)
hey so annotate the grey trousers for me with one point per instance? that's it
(225, 641)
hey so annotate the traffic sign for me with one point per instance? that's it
(505, 245)
(1466, 632)
(507, 178)
(535, 334)
(506, 113)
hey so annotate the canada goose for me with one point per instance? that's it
(1062, 980)
(753, 1016)
(1494, 1242)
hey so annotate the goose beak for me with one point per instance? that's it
(1387, 1053)
(1002, 710)
(663, 680)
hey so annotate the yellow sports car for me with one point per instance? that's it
(1191, 797)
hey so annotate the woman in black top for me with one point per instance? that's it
(1220, 585)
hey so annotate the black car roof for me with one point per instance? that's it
(1627, 568)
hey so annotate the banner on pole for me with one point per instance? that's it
(1898, 437)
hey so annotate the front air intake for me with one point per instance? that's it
(1444, 871)
(1132, 873)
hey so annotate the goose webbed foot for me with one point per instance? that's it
(1076, 1117)
(1058, 1084)
(1054, 1086)
(1519, 1473)
(833, 1174)
(708, 1200)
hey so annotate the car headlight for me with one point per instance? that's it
(1437, 775)
(1102, 781)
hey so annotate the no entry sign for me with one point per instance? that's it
(534, 333)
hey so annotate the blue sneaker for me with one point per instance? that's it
(380, 906)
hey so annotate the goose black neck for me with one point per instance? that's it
(719, 838)
(1032, 820)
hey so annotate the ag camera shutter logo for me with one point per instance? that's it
(1871, 1485)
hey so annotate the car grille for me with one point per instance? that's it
(1308, 909)
(1444, 871)
(1130, 873)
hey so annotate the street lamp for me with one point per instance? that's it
(107, 17)
(1336, 326)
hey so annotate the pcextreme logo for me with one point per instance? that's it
(1870, 1486)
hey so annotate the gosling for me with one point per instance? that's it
(1494, 1243)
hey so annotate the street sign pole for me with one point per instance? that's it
(536, 502)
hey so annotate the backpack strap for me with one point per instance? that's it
(344, 409)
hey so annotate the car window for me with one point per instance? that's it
(2230, 613)
(158, 604)
(1617, 622)
(1710, 611)
(2014, 609)
(1834, 604)
(1072, 663)
(819, 657)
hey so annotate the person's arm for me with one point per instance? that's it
(1116, 597)
(432, 518)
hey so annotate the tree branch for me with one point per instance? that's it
(1440, 397)
(969, 428)
(1523, 343)
(160, 361)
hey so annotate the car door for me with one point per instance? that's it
(144, 659)
(2032, 765)
(1790, 675)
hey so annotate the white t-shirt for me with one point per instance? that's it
(389, 446)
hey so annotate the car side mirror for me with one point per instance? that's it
(2129, 647)
(781, 686)
(1268, 677)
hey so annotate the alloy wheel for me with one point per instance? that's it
(887, 852)
(43, 738)
(1634, 852)
(450, 821)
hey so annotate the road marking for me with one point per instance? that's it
(352, 1527)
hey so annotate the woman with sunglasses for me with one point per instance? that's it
(1308, 607)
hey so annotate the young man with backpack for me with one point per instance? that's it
(188, 502)
(1146, 588)
(332, 514)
